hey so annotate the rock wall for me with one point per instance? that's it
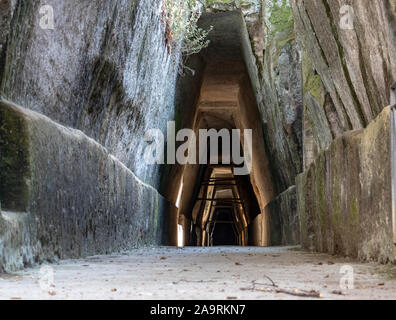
(275, 72)
(344, 198)
(7, 8)
(284, 219)
(279, 95)
(349, 63)
(281, 106)
(104, 69)
(63, 195)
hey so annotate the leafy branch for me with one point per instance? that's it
(182, 27)
(279, 16)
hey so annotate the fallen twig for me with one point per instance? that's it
(272, 281)
(274, 288)
(193, 281)
(298, 293)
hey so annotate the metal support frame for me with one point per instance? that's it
(215, 203)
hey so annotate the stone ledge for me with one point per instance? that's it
(344, 198)
(78, 199)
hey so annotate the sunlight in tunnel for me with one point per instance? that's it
(179, 194)
(180, 236)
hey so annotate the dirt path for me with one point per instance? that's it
(201, 273)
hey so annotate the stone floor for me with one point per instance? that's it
(201, 273)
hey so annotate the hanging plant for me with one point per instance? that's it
(181, 28)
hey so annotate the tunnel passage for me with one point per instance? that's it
(224, 208)
(223, 230)
(220, 96)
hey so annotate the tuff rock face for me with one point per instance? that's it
(349, 63)
(284, 219)
(281, 105)
(344, 198)
(277, 79)
(105, 69)
(93, 205)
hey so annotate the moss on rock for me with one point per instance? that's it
(312, 82)
(14, 161)
(344, 195)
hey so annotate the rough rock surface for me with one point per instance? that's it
(71, 198)
(281, 105)
(284, 219)
(104, 69)
(7, 8)
(344, 198)
(348, 65)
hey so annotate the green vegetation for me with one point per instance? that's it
(279, 16)
(14, 161)
(312, 81)
(321, 200)
(182, 23)
(182, 18)
(236, 4)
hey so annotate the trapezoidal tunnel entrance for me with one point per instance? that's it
(222, 200)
